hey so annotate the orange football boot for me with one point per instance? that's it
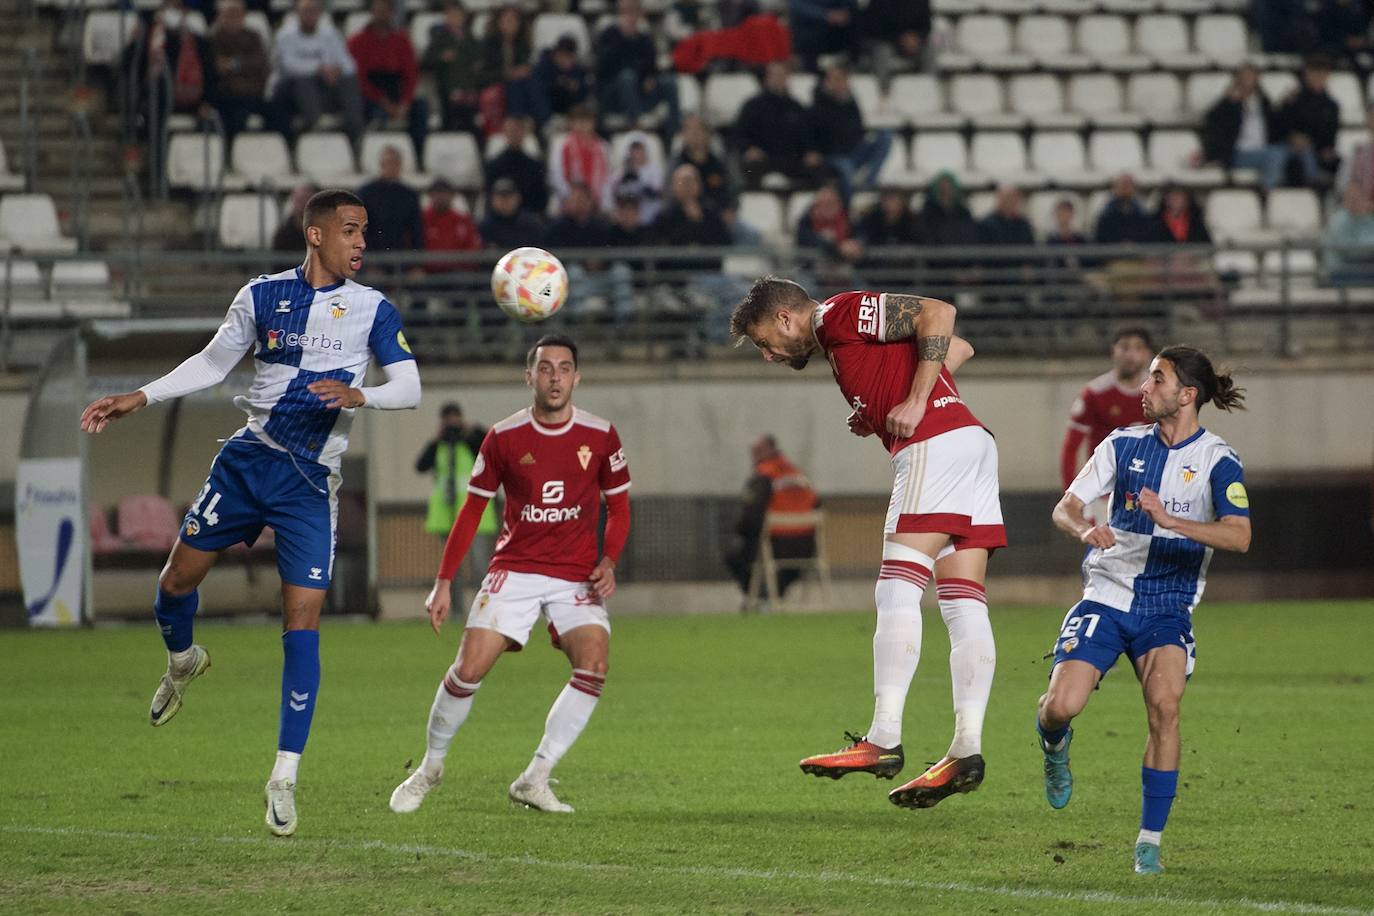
(861, 756)
(950, 775)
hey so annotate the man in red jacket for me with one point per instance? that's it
(388, 74)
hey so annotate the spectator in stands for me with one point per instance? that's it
(1359, 167)
(559, 80)
(1343, 32)
(776, 485)
(528, 173)
(1179, 218)
(1123, 219)
(1064, 270)
(890, 222)
(241, 66)
(895, 35)
(822, 27)
(1350, 237)
(454, 60)
(825, 228)
(583, 156)
(945, 221)
(394, 222)
(1284, 26)
(639, 175)
(312, 72)
(172, 68)
(775, 133)
(448, 228)
(506, 50)
(388, 74)
(1307, 123)
(1007, 223)
(580, 225)
(696, 150)
(687, 220)
(592, 283)
(853, 154)
(290, 234)
(628, 228)
(506, 225)
(1238, 131)
(629, 84)
(1065, 231)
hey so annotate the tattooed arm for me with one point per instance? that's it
(931, 322)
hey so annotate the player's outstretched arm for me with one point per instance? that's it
(1230, 532)
(100, 412)
(1069, 518)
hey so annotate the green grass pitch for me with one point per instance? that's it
(686, 784)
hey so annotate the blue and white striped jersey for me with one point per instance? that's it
(1151, 570)
(300, 335)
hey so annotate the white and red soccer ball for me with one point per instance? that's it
(529, 284)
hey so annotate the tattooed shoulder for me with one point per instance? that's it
(901, 312)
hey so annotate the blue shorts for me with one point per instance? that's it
(1098, 635)
(253, 485)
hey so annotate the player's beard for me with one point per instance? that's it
(1165, 411)
(799, 362)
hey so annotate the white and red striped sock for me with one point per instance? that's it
(972, 659)
(452, 703)
(567, 717)
(897, 637)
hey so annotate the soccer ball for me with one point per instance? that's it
(529, 284)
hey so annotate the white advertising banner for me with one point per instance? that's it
(50, 529)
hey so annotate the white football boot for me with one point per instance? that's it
(535, 793)
(281, 807)
(167, 699)
(409, 794)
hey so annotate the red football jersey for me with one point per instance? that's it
(875, 375)
(553, 478)
(1105, 405)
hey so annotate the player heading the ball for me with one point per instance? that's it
(555, 463)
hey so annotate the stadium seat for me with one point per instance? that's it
(1175, 155)
(29, 222)
(80, 279)
(1059, 155)
(987, 40)
(256, 21)
(9, 181)
(978, 96)
(1107, 40)
(1040, 98)
(549, 27)
(918, 99)
(1157, 96)
(327, 158)
(762, 210)
(1347, 139)
(1205, 89)
(689, 96)
(453, 155)
(1345, 89)
(981, 203)
(1068, 7)
(374, 141)
(148, 521)
(247, 221)
(802, 87)
(797, 205)
(869, 95)
(103, 540)
(1098, 96)
(725, 94)
(496, 144)
(1049, 41)
(1001, 155)
(1164, 38)
(1294, 212)
(1277, 84)
(1222, 38)
(262, 160)
(100, 35)
(25, 280)
(422, 28)
(896, 170)
(1233, 214)
(1115, 151)
(935, 152)
(195, 161)
(1127, 7)
(355, 22)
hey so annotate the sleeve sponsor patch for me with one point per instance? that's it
(1236, 495)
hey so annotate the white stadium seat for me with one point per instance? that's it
(979, 97)
(549, 27)
(1107, 40)
(1049, 40)
(355, 22)
(725, 94)
(689, 95)
(29, 222)
(1173, 154)
(1294, 212)
(256, 21)
(987, 39)
(981, 203)
(1164, 37)
(1098, 95)
(327, 158)
(195, 161)
(374, 141)
(1233, 214)
(248, 221)
(100, 35)
(80, 279)
(1040, 98)
(935, 152)
(918, 99)
(797, 205)
(1157, 96)
(1222, 38)
(422, 29)
(1114, 151)
(802, 87)
(896, 169)
(262, 159)
(762, 210)
(9, 181)
(1060, 156)
(1001, 156)
(1277, 84)
(452, 155)
(25, 279)
(869, 95)
(1345, 89)
(1205, 89)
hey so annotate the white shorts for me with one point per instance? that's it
(510, 603)
(948, 485)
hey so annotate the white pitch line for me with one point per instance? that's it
(705, 871)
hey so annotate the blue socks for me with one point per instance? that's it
(175, 615)
(1050, 737)
(300, 681)
(1158, 788)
